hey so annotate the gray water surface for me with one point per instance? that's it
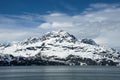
(59, 73)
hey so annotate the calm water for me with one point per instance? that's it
(59, 73)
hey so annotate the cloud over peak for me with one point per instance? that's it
(99, 21)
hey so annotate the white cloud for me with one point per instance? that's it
(104, 6)
(45, 25)
(57, 14)
(18, 27)
(64, 24)
(9, 35)
(56, 25)
(110, 38)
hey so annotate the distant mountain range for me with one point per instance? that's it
(57, 48)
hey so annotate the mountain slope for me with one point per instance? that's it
(57, 48)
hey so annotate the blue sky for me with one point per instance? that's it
(46, 6)
(96, 19)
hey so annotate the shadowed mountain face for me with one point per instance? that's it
(57, 48)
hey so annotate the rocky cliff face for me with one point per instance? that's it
(57, 48)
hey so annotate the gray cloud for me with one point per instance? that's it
(18, 27)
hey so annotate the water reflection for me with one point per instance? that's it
(59, 73)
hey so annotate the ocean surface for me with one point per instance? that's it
(59, 73)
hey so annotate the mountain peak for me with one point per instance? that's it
(57, 47)
(57, 33)
(61, 34)
(88, 41)
(30, 40)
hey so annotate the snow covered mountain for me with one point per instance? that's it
(57, 48)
